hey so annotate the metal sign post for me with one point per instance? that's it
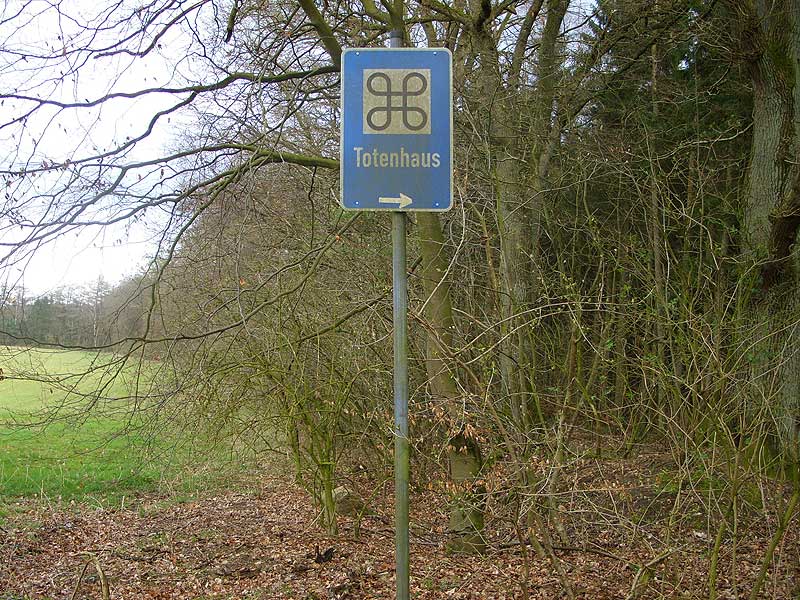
(401, 442)
(396, 154)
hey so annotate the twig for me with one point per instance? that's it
(80, 578)
(783, 524)
(588, 550)
(637, 585)
(93, 560)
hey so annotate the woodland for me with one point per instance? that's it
(604, 330)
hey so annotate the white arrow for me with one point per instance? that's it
(403, 200)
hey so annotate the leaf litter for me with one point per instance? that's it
(266, 544)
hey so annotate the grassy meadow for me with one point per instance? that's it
(56, 444)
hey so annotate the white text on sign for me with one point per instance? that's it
(374, 158)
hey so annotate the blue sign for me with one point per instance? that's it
(397, 129)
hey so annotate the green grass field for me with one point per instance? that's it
(98, 454)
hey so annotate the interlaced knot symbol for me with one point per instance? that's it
(380, 118)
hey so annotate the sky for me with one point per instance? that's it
(113, 253)
(79, 261)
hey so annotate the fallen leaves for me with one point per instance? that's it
(264, 545)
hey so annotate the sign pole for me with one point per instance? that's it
(401, 441)
(396, 151)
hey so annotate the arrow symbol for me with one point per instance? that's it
(402, 200)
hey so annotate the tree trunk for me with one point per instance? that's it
(770, 36)
(519, 207)
(463, 450)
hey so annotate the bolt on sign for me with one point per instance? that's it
(397, 129)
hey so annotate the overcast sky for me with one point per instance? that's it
(112, 252)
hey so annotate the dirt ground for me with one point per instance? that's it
(265, 544)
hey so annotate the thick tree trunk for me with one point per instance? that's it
(463, 451)
(770, 34)
(495, 101)
(520, 195)
(464, 460)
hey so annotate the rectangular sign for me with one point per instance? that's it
(397, 129)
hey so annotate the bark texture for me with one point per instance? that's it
(463, 451)
(770, 35)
